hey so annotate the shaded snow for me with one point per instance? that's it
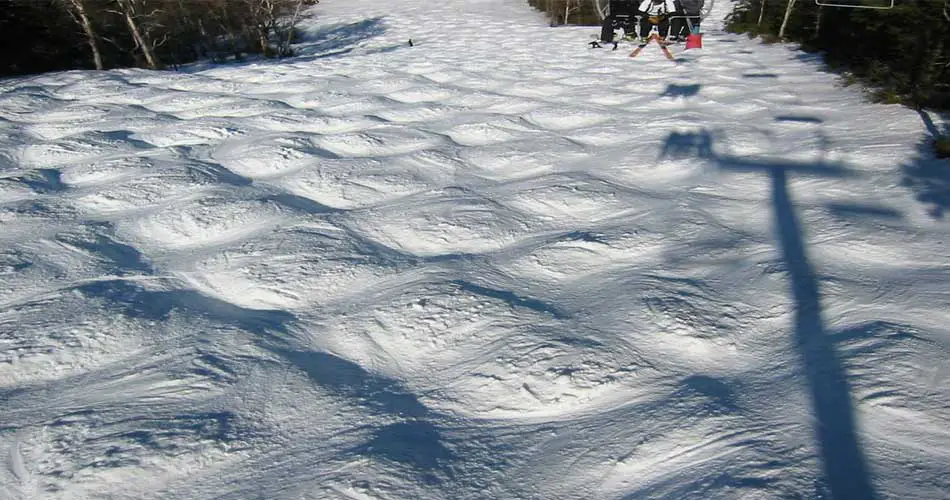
(494, 265)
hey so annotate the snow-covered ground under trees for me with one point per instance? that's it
(497, 264)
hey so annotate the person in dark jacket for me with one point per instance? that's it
(655, 13)
(693, 9)
(677, 22)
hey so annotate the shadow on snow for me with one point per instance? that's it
(337, 40)
(417, 444)
(349, 379)
(512, 299)
(846, 473)
(40, 180)
(318, 43)
(676, 90)
(138, 302)
(124, 259)
(799, 119)
(414, 442)
(927, 176)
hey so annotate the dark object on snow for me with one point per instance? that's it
(410, 42)
(692, 9)
(596, 44)
(622, 14)
(678, 25)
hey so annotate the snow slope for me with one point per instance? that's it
(496, 264)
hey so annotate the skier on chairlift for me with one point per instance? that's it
(678, 22)
(655, 13)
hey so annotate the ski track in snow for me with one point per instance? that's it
(494, 265)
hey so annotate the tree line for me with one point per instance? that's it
(903, 53)
(579, 12)
(49, 35)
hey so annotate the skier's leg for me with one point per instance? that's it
(677, 26)
(664, 27)
(645, 28)
(607, 30)
(632, 27)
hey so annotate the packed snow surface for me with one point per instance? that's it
(495, 264)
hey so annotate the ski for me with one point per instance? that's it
(664, 46)
(666, 52)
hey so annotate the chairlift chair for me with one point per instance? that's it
(855, 5)
(617, 14)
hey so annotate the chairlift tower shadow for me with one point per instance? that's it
(845, 467)
(847, 474)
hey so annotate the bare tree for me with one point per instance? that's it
(788, 12)
(570, 6)
(226, 24)
(262, 21)
(130, 10)
(275, 19)
(77, 10)
(596, 6)
(761, 12)
(291, 28)
(148, 33)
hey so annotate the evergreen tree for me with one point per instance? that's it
(902, 52)
(37, 36)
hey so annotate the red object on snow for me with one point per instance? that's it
(694, 41)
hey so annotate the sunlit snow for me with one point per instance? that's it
(495, 264)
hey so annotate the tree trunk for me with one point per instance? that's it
(920, 81)
(263, 21)
(761, 13)
(80, 9)
(284, 49)
(596, 5)
(137, 34)
(788, 12)
(263, 41)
